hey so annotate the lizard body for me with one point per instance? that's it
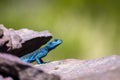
(42, 52)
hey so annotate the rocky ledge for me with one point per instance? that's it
(23, 41)
(107, 68)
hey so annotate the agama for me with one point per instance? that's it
(38, 54)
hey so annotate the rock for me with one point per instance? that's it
(7, 78)
(107, 68)
(5, 42)
(23, 41)
(12, 68)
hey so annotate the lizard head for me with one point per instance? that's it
(53, 44)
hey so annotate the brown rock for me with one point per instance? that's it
(23, 41)
(107, 68)
(12, 68)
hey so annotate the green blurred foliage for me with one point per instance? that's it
(88, 28)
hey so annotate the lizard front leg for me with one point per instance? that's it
(39, 60)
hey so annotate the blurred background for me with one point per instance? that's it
(89, 28)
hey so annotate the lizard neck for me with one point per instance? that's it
(47, 48)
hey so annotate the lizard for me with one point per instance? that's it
(38, 54)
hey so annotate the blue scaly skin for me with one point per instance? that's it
(42, 52)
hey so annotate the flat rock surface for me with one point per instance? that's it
(107, 68)
(23, 41)
(12, 68)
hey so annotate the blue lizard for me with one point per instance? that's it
(42, 52)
